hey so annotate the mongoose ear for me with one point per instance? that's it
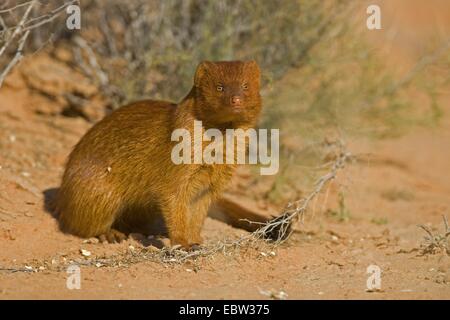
(202, 69)
(252, 68)
(253, 65)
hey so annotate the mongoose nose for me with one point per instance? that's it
(236, 101)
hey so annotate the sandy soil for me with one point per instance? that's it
(405, 182)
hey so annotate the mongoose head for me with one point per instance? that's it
(227, 93)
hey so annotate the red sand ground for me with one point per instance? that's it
(408, 183)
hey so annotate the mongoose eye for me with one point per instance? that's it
(245, 86)
(219, 88)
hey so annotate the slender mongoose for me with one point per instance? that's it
(120, 176)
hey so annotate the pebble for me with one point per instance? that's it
(91, 240)
(85, 253)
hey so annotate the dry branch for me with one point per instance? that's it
(92, 60)
(9, 10)
(48, 17)
(279, 229)
(23, 29)
(18, 30)
(17, 57)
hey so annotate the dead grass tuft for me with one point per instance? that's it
(436, 242)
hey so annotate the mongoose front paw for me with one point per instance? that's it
(190, 248)
(112, 236)
(195, 247)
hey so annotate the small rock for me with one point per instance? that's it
(281, 295)
(278, 295)
(85, 253)
(93, 240)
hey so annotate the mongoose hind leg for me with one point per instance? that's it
(112, 236)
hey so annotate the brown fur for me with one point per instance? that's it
(120, 174)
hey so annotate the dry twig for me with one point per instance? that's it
(18, 30)
(17, 57)
(23, 29)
